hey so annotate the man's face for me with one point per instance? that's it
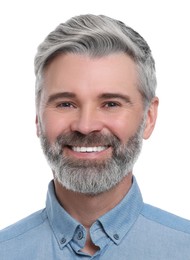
(91, 119)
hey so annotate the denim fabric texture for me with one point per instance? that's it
(132, 230)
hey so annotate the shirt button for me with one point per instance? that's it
(63, 240)
(116, 236)
(80, 235)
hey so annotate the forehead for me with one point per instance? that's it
(72, 71)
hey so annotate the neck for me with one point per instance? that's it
(87, 209)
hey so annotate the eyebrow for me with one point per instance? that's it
(59, 95)
(126, 98)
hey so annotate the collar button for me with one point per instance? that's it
(116, 236)
(80, 235)
(63, 240)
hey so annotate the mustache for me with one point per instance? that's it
(92, 139)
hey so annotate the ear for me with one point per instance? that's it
(151, 118)
(38, 131)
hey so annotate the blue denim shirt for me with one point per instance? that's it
(132, 231)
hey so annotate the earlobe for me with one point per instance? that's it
(151, 118)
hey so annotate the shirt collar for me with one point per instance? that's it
(116, 223)
(62, 223)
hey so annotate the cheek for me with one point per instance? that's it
(124, 127)
(54, 125)
(120, 128)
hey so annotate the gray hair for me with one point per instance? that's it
(98, 36)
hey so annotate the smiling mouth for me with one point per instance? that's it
(85, 149)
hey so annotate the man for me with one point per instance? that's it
(95, 103)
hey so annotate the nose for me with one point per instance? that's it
(87, 121)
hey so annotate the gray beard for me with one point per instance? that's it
(92, 177)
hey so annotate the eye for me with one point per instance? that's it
(65, 105)
(111, 104)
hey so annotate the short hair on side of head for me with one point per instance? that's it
(98, 36)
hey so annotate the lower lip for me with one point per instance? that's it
(88, 155)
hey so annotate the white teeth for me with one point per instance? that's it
(89, 149)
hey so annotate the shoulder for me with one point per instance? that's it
(166, 219)
(23, 226)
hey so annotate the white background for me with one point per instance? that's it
(163, 168)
